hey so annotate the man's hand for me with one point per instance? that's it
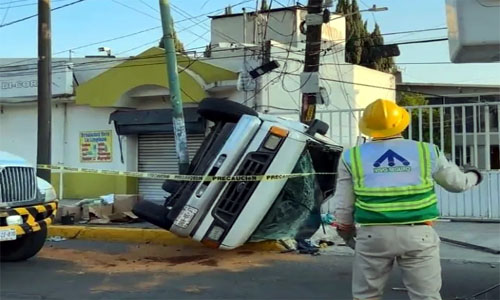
(346, 231)
(471, 169)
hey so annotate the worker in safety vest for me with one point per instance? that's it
(386, 186)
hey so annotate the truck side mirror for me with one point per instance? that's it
(317, 126)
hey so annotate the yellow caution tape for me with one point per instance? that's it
(178, 177)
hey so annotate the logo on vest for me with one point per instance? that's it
(391, 156)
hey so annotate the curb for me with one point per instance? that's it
(142, 236)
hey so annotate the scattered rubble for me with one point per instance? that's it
(104, 210)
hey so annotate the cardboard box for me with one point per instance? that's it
(124, 203)
(100, 211)
(123, 217)
(67, 210)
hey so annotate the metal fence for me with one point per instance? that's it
(467, 133)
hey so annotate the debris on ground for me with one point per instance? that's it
(106, 209)
(307, 247)
(56, 238)
(325, 239)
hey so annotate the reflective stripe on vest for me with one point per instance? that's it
(397, 206)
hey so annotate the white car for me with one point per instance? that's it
(28, 205)
(242, 143)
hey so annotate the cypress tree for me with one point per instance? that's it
(385, 64)
(179, 47)
(361, 45)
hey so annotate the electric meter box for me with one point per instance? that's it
(473, 30)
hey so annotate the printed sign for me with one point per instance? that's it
(96, 146)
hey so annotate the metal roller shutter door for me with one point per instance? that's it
(157, 155)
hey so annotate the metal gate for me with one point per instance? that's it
(157, 154)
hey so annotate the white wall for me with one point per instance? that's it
(377, 85)
(229, 29)
(283, 26)
(18, 130)
(18, 135)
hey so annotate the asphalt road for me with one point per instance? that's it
(98, 270)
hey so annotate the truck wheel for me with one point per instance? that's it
(223, 110)
(24, 247)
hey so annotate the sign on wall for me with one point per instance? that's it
(22, 82)
(96, 146)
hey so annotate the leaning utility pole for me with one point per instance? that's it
(44, 139)
(174, 87)
(309, 80)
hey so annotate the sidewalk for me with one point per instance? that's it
(482, 234)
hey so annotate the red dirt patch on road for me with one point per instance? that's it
(154, 259)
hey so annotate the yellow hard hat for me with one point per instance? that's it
(383, 118)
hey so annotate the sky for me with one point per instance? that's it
(93, 21)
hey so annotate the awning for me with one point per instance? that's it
(154, 121)
(110, 88)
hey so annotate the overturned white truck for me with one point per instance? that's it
(243, 142)
(27, 206)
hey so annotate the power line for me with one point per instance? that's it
(219, 50)
(107, 60)
(267, 84)
(287, 51)
(15, 1)
(187, 19)
(382, 34)
(372, 86)
(5, 15)
(420, 41)
(342, 87)
(185, 14)
(87, 45)
(131, 34)
(152, 8)
(28, 4)
(146, 14)
(200, 24)
(415, 31)
(110, 40)
(35, 15)
(136, 10)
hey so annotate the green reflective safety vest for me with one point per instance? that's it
(392, 181)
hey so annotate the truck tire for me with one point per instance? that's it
(223, 110)
(24, 247)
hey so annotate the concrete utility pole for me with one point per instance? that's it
(309, 80)
(174, 86)
(44, 139)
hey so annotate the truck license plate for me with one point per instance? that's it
(7, 234)
(185, 217)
